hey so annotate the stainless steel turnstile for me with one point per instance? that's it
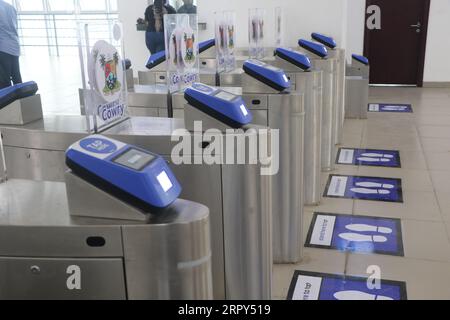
(310, 84)
(284, 112)
(47, 254)
(329, 108)
(357, 91)
(36, 151)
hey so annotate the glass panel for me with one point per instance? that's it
(31, 5)
(113, 6)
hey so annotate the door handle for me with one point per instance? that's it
(418, 25)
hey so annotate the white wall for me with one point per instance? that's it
(437, 62)
(355, 27)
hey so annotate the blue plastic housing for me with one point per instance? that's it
(19, 91)
(219, 104)
(111, 166)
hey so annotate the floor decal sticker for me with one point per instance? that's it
(364, 188)
(369, 157)
(383, 107)
(360, 234)
(322, 286)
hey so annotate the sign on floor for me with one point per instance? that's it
(358, 234)
(322, 286)
(368, 157)
(384, 107)
(364, 188)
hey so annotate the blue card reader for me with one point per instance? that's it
(219, 104)
(156, 59)
(133, 175)
(19, 91)
(316, 48)
(205, 45)
(325, 40)
(274, 77)
(298, 59)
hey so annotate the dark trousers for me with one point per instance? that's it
(154, 41)
(9, 70)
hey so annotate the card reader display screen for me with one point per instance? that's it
(225, 96)
(134, 159)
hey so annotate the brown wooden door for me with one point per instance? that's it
(395, 43)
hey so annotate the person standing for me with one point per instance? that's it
(154, 17)
(188, 7)
(9, 46)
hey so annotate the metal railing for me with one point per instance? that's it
(55, 30)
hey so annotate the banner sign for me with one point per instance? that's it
(103, 74)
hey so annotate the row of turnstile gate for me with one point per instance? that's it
(219, 243)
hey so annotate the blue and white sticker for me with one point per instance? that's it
(98, 145)
(322, 286)
(364, 188)
(384, 107)
(369, 157)
(359, 234)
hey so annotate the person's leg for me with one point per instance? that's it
(159, 42)
(5, 70)
(15, 70)
(148, 41)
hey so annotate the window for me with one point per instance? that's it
(51, 24)
(30, 5)
(61, 5)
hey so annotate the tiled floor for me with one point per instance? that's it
(423, 139)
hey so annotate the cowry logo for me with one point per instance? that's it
(107, 71)
(110, 111)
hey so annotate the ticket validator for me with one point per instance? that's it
(19, 104)
(115, 229)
